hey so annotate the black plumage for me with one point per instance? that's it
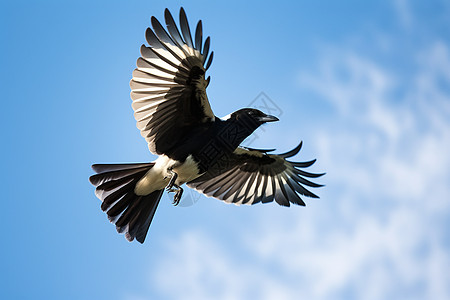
(194, 146)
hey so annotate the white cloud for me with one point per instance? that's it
(199, 267)
(401, 142)
(376, 259)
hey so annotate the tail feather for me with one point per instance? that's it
(115, 211)
(105, 176)
(102, 168)
(132, 214)
(114, 183)
(117, 194)
(140, 223)
(150, 209)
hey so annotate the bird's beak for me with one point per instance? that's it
(268, 118)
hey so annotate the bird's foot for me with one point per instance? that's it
(174, 188)
(178, 190)
(173, 178)
(177, 197)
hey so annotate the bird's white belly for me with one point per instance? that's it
(159, 176)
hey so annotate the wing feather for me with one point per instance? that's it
(163, 83)
(208, 64)
(255, 176)
(185, 30)
(155, 60)
(198, 36)
(173, 29)
(250, 190)
(167, 41)
(292, 152)
(227, 185)
(206, 49)
(281, 196)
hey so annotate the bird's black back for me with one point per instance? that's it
(210, 142)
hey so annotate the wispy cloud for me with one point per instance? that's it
(402, 7)
(200, 267)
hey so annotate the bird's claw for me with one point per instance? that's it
(177, 197)
(173, 188)
(171, 183)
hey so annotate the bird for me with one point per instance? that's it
(194, 147)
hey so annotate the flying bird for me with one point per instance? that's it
(193, 145)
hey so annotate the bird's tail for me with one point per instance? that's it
(131, 213)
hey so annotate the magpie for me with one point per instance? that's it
(173, 114)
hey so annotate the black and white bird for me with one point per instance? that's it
(194, 146)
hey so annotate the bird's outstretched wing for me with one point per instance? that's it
(168, 88)
(251, 176)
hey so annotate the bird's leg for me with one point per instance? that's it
(173, 178)
(172, 187)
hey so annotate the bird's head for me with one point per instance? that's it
(249, 119)
(244, 122)
(252, 115)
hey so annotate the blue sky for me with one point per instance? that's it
(365, 85)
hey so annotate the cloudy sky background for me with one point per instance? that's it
(365, 85)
